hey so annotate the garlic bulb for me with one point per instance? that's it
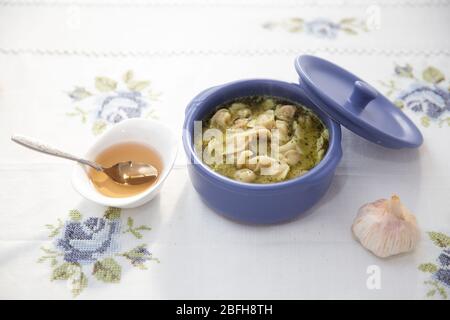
(386, 227)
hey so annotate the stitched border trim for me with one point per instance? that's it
(222, 3)
(221, 52)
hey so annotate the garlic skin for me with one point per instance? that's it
(386, 227)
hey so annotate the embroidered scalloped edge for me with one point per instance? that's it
(240, 3)
(223, 52)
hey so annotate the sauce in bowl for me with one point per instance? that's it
(129, 151)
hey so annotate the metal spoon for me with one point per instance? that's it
(127, 172)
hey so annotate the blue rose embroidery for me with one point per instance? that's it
(111, 101)
(322, 28)
(86, 242)
(444, 258)
(121, 105)
(427, 99)
(424, 93)
(93, 243)
(443, 276)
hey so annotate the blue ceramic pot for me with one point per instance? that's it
(258, 203)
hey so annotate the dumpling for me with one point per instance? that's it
(283, 130)
(258, 162)
(291, 145)
(240, 123)
(285, 112)
(221, 119)
(292, 157)
(245, 175)
(266, 119)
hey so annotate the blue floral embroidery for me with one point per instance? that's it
(121, 106)
(320, 27)
(430, 100)
(112, 101)
(444, 259)
(92, 243)
(443, 276)
(439, 282)
(141, 257)
(86, 242)
(425, 96)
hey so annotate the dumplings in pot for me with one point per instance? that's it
(266, 139)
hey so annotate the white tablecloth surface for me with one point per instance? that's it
(50, 56)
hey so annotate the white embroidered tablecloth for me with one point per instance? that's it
(61, 62)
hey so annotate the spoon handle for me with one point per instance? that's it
(41, 147)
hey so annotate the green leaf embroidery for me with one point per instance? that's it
(79, 93)
(134, 85)
(50, 255)
(53, 260)
(425, 120)
(49, 251)
(391, 85)
(98, 127)
(128, 76)
(347, 20)
(431, 293)
(130, 222)
(436, 288)
(349, 31)
(104, 84)
(135, 231)
(428, 267)
(54, 230)
(78, 283)
(152, 114)
(112, 213)
(295, 29)
(75, 215)
(154, 96)
(79, 113)
(439, 239)
(442, 292)
(138, 256)
(433, 75)
(444, 121)
(405, 71)
(294, 25)
(107, 270)
(297, 20)
(64, 271)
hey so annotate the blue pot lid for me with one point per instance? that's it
(355, 104)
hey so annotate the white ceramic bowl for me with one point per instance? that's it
(148, 132)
